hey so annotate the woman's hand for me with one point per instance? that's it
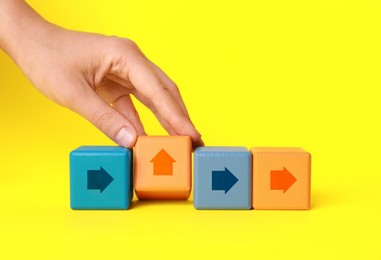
(93, 75)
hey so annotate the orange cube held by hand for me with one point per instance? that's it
(281, 178)
(163, 167)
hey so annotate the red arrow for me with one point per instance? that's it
(162, 163)
(282, 180)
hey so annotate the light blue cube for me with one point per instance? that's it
(222, 178)
(101, 177)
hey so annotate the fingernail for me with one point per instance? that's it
(124, 138)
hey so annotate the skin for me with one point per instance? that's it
(93, 75)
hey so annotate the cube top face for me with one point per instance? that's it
(101, 149)
(277, 150)
(223, 178)
(208, 150)
(282, 178)
(162, 166)
(100, 177)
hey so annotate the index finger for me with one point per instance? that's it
(156, 95)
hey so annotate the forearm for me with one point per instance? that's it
(20, 28)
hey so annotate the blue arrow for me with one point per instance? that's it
(98, 179)
(223, 180)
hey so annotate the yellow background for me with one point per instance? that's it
(252, 73)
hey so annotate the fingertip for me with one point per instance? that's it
(197, 143)
(201, 142)
(126, 137)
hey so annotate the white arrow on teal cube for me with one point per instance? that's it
(222, 178)
(100, 177)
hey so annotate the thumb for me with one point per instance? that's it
(116, 126)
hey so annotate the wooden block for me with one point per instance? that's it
(222, 178)
(281, 178)
(101, 177)
(163, 167)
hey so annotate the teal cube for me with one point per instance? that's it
(222, 178)
(101, 177)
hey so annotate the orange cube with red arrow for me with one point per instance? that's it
(281, 178)
(163, 167)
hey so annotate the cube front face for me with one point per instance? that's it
(100, 177)
(222, 178)
(162, 166)
(282, 178)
